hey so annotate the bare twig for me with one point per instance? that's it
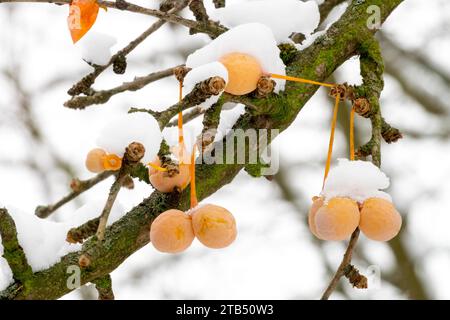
(430, 102)
(202, 91)
(219, 3)
(188, 116)
(416, 57)
(113, 192)
(133, 154)
(81, 233)
(198, 9)
(78, 187)
(345, 262)
(103, 96)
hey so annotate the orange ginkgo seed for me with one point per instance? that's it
(380, 220)
(162, 182)
(337, 219)
(214, 226)
(171, 231)
(244, 71)
(316, 205)
(94, 160)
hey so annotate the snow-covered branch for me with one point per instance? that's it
(201, 91)
(12, 251)
(131, 232)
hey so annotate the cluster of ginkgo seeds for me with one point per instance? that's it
(338, 218)
(173, 230)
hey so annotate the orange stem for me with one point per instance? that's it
(279, 76)
(352, 135)
(330, 145)
(156, 167)
(194, 200)
(180, 115)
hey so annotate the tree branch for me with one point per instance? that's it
(12, 251)
(103, 96)
(326, 7)
(104, 287)
(198, 9)
(201, 91)
(345, 262)
(133, 155)
(188, 116)
(131, 232)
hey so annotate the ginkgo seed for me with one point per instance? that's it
(214, 226)
(94, 160)
(172, 231)
(244, 71)
(337, 219)
(380, 220)
(316, 205)
(162, 182)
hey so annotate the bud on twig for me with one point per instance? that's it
(362, 107)
(120, 64)
(84, 261)
(264, 87)
(344, 91)
(358, 280)
(134, 152)
(214, 85)
(181, 72)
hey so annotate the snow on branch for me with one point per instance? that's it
(131, 232)
(12, 251)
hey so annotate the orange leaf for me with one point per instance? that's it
(82, 16)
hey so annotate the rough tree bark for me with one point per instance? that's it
(318, 62)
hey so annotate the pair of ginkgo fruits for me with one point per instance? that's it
(173, 231)
(338, 218)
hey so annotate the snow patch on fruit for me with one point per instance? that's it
(283, 17)
(358, 180)
(204, 72)
(254, 39)
(133, 127)
(95, 47)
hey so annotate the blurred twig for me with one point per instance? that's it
(78, 187)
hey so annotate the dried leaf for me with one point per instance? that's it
(82, 16)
